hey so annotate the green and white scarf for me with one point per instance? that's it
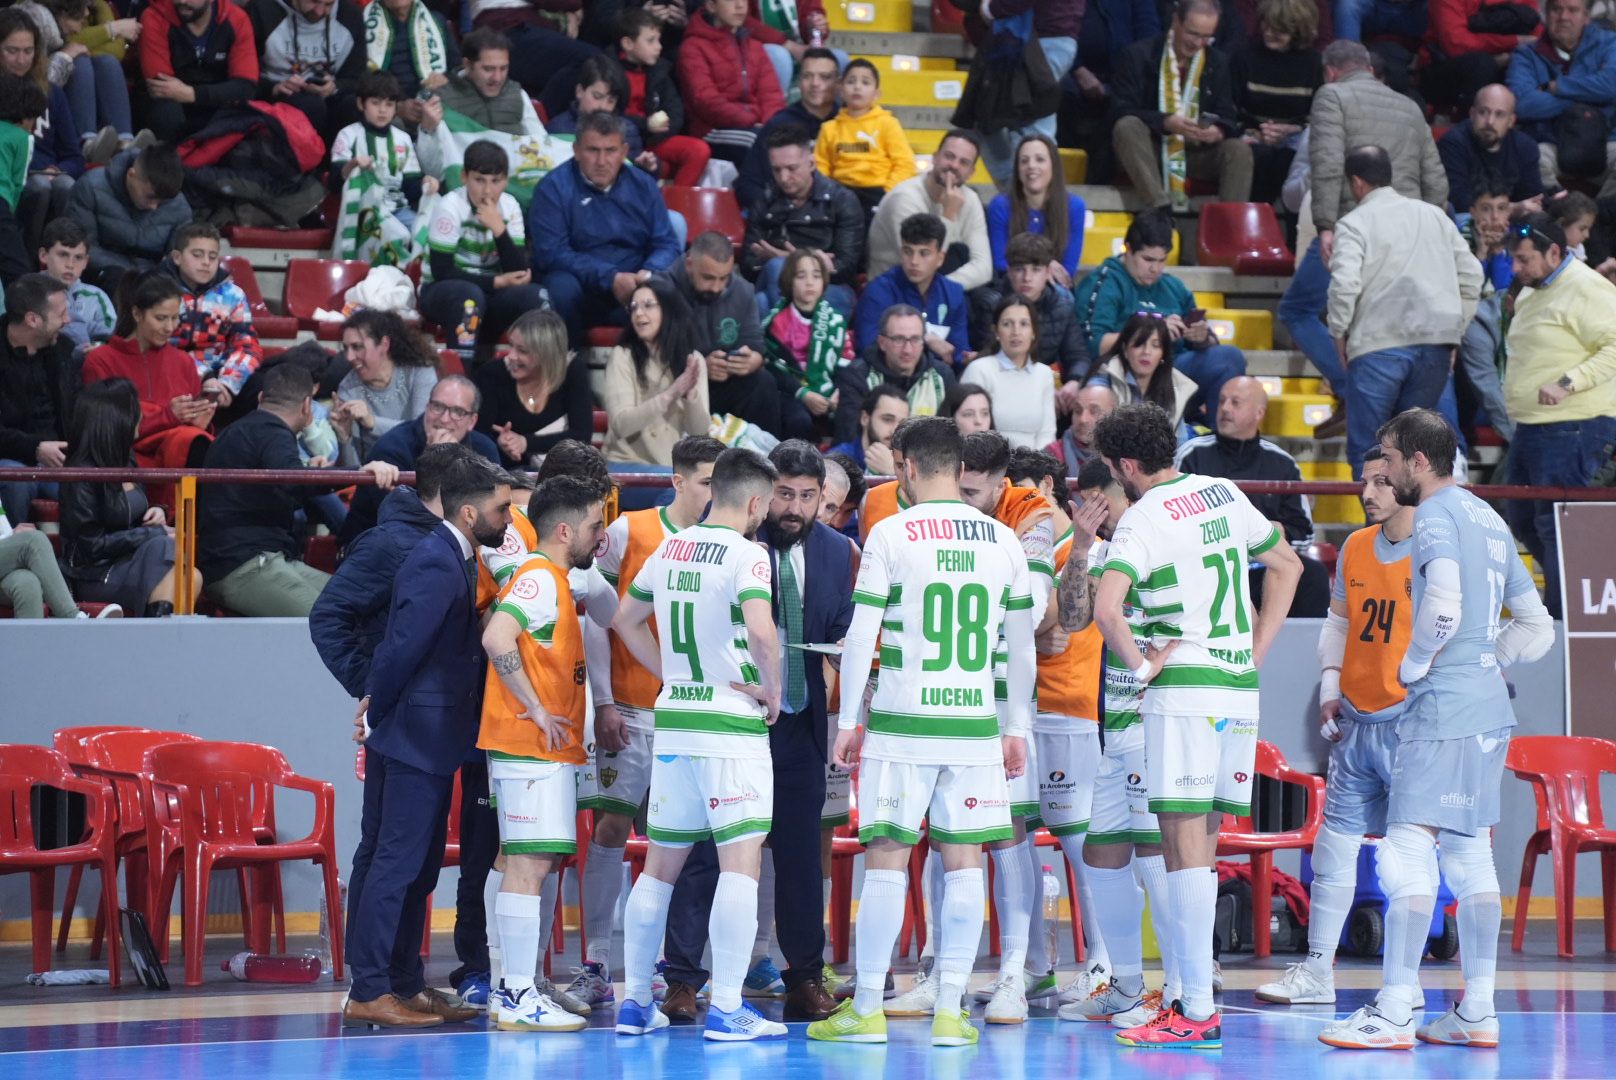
(780, 15)
(1181, 99)
(827, 336)
(368, 231)
(427, 50)
(531, 156)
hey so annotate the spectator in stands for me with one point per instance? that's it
(129, 210)
(542, 35)
(897, 355)
(246, 540)
(539, 395)
(116, 547)
(1055, 26)
(1567, 73)
(916, 282)
(1481, 350)
(863, 146)
(1060, 336)
(787, 29)
(374, 144)
(215, 326)
(394, 371)
(1022, 387)
(1364, 20)
(1075, 449)
(411, 42)
(969, 406)
(884, 407)
(1484, 227)
(943, 191)
(602, 86)
(31, 582)
(1576, 214)
(1403, 287)
(598, 230)
(176, 411)
(803, 208)
(1560, 385)
(1139, 367)
(1176, 113)
(836, 504)
(57, 157)
(653, 104)
(1489, 141)
(1038, 202)
(725, 76)
(818, 81)
(1136, 281)
(805, 338)
(37, 387)
(310, 56)
(1275, 74)
(1108, 28)
(1352, 109)
(1239, 452)
(196, 57)
(656, 389)
(483, 92)
(64, 251)
(479, 270)
(96, 87)
(22, 105)
(451, 417)
(1469, 43)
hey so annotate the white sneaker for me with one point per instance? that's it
(1143, 1013)
(567, 1000)
(1453, 1029)
(1008, 1003)
(533, 1011)
(1217, 977)
(1300, 986)
(1103, 1004)
(1368, 1029)
(918, 1000)
(1035, 987)
(1083, 987)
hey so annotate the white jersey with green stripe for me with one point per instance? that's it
(455, 229)
(1185, 545)
(1122, 690)
(697, 581)
(1038, 544)
(944, 578)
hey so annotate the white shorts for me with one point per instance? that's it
(617, 782)
(1066, 764)
(1121, 813)
(963, 804)
(838, 790)
(1200, 764)
(537, 806)
(693, 798)
(1024, 789)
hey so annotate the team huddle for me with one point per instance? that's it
(1011, 663)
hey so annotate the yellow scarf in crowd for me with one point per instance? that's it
(1180, 99)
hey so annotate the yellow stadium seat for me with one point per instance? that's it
(908, 62)
(1103, 239)
(884, 16)
(1212, 300)
(1074, 165)
(922, 88)
(1247, 328)
(1333, 471)
(1295, 415)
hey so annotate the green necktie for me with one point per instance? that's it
(791, 612)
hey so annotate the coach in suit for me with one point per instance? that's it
(813, 604)
(424, 699)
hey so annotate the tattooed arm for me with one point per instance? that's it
(499, 641)
(1075, 593)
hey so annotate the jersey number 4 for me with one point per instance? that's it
(683, 614)
(1230, 572)
(957, 623)
(1379, 615)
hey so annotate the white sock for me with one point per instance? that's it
(730, 930)
(644, 919)
(1194, 894)
(1039, 961)
(519, 929)
(763, 940)
(880, 917)
(1330, 901)
(1013, 883)
(1400, 964)
(960, 934)
(933, 882)
(496, 958)
(1480, 917)
(1095, 949)
(1118, 907)
(601, 885)
(1152, 871)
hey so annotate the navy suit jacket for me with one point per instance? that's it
(827, 610)
(426, 678)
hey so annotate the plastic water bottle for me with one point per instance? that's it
(254, 967)
(325, 924)
(1052, 890)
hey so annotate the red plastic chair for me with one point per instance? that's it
(267, 236)
(320, 283)
(449, 363)
(1564, 772)
(708, 209)
(1238, 837)
(219, 798)
(1246, 237)
(1325, 553)
(265, 322)
(71, 743)
(22, 768)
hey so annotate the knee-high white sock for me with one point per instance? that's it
(933, 884)
(547, 894)
(1118, 907)
(960, 935)
(602, 884)
(762, 942)
(1194, 894)
(644, 919)
(519, 929)
(730, 930)
(495, 947)
(1480, 918)
(1013, 894)
(880, 917)
(1095, 949)
(1330, 897)
(1153, 876)
(1410, 917)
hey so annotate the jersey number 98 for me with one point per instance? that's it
(957, 623)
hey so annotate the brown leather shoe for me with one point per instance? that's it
(680, 1004)
(809, 1000)
(386, 1011)
(1335, 426)
(437, 1003)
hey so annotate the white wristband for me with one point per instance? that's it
(1330, 684)
(1141, 671)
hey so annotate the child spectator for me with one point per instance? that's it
(916, 281)
(478, 275)
(64, 251)
(21, 105)
(215, 325)
(653, 104)
(602, 87)
(727, 79)
(1060, 336)
(863, 147)
(96, 87)
(1575, 213)
(1484, 227)
(129, 210)
(804, 337)
(374, 143)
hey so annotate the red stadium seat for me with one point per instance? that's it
(1245, 237)
(254, 236)
(1238, 836)
(946, 18)
(1326, 554)
(1565, 773)
(603, 337)
(708, 209)
(319, 283)
(449, 363)
(266, 323)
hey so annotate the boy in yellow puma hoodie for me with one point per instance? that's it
(863, 147)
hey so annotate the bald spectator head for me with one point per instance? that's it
(1492, 114)
(1342, 58)
(1241, 408)
(1368, 168)
(1094, 403)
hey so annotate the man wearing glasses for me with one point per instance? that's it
(899, 358)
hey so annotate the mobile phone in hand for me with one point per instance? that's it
(1194, 315)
